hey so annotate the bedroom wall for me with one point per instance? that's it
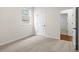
(52, 20)
(11, 26)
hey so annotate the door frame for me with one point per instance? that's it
(76, 47)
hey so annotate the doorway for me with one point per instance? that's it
(66, 22)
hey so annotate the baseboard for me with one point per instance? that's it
(52, 37)
(48, 36)
(17, 39)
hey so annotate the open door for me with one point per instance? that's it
(75, 28)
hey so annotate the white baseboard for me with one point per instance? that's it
(9, 41)
(52, 37)
(48, 36)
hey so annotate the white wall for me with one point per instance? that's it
(52, 23)
(64, 24)
(11, 26)
(52, 20)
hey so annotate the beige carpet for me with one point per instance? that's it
(38, 44)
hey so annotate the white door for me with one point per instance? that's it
(74, 38)
(41, 23)
(74, 27)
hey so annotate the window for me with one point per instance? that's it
(26, 15)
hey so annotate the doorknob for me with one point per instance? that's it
(44, 25)
(74, 28)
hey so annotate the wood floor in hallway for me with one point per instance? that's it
(38, 44)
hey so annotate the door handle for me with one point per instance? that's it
(44, 25)
(74, 28)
